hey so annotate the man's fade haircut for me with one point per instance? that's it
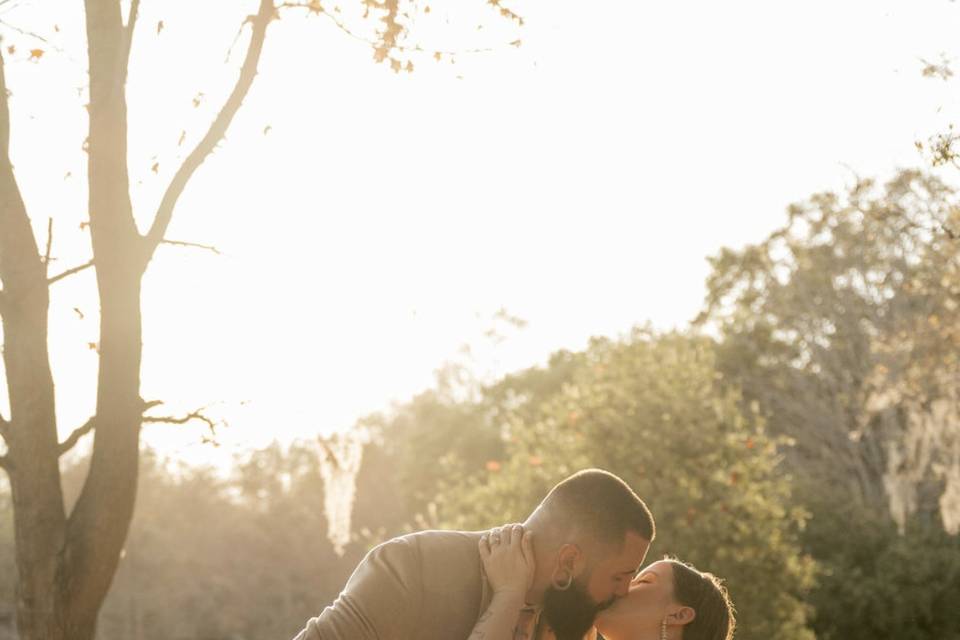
(600, 505)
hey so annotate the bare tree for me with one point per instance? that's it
(66, 561)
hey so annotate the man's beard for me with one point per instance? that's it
(570, 613)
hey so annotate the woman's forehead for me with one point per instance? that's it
(662, 569)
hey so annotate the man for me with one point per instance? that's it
(590, 536)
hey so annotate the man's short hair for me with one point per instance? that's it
(599, 505)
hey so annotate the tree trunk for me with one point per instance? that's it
(66, 565)
(31, 433)
(98, 525)
(100, 521)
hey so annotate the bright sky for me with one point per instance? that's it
(578, 181)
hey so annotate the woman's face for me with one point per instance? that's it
(640, 612)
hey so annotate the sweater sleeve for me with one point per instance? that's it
(381, 601)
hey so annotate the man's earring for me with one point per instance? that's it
(562, 586)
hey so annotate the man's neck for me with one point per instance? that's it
(543, 554)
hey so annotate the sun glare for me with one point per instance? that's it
(358, 226)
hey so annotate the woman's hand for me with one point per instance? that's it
(507, 554)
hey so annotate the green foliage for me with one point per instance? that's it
(842, 327)
(649, 409)
(877, 583)
(852, 301)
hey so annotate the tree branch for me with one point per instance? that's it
(89, 425)
(218, 128)
(31, 34)
(313, 6)
(46, 254)
(4, 116)
(193, 415)
(147, 405)
(70, 272)
(5, 463)
(128, 35)
(21, 268)
(74, 437)
(194, 245)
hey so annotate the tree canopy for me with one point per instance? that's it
(650, 409)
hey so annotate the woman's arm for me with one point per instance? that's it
(547, 634)
(507, 556)
(499, 621)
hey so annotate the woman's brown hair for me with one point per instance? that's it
(706, 595)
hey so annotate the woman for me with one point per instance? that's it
(668, 600)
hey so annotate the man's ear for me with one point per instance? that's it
(570, 558)
(682, 616)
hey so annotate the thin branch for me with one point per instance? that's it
(10, 8)
(132, 17)
(4, 119)
(193, 415)
(88, 426)
(5, 463)
(315, 7)
(78, 433)
(128, 35)
(218, 127)
(46, 255)
(20, 265)
(4, 429)
(70, 272)
(149, 404)
(505, 12)
(31, 34)
(194, 245)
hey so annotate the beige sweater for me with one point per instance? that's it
(423, 586)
